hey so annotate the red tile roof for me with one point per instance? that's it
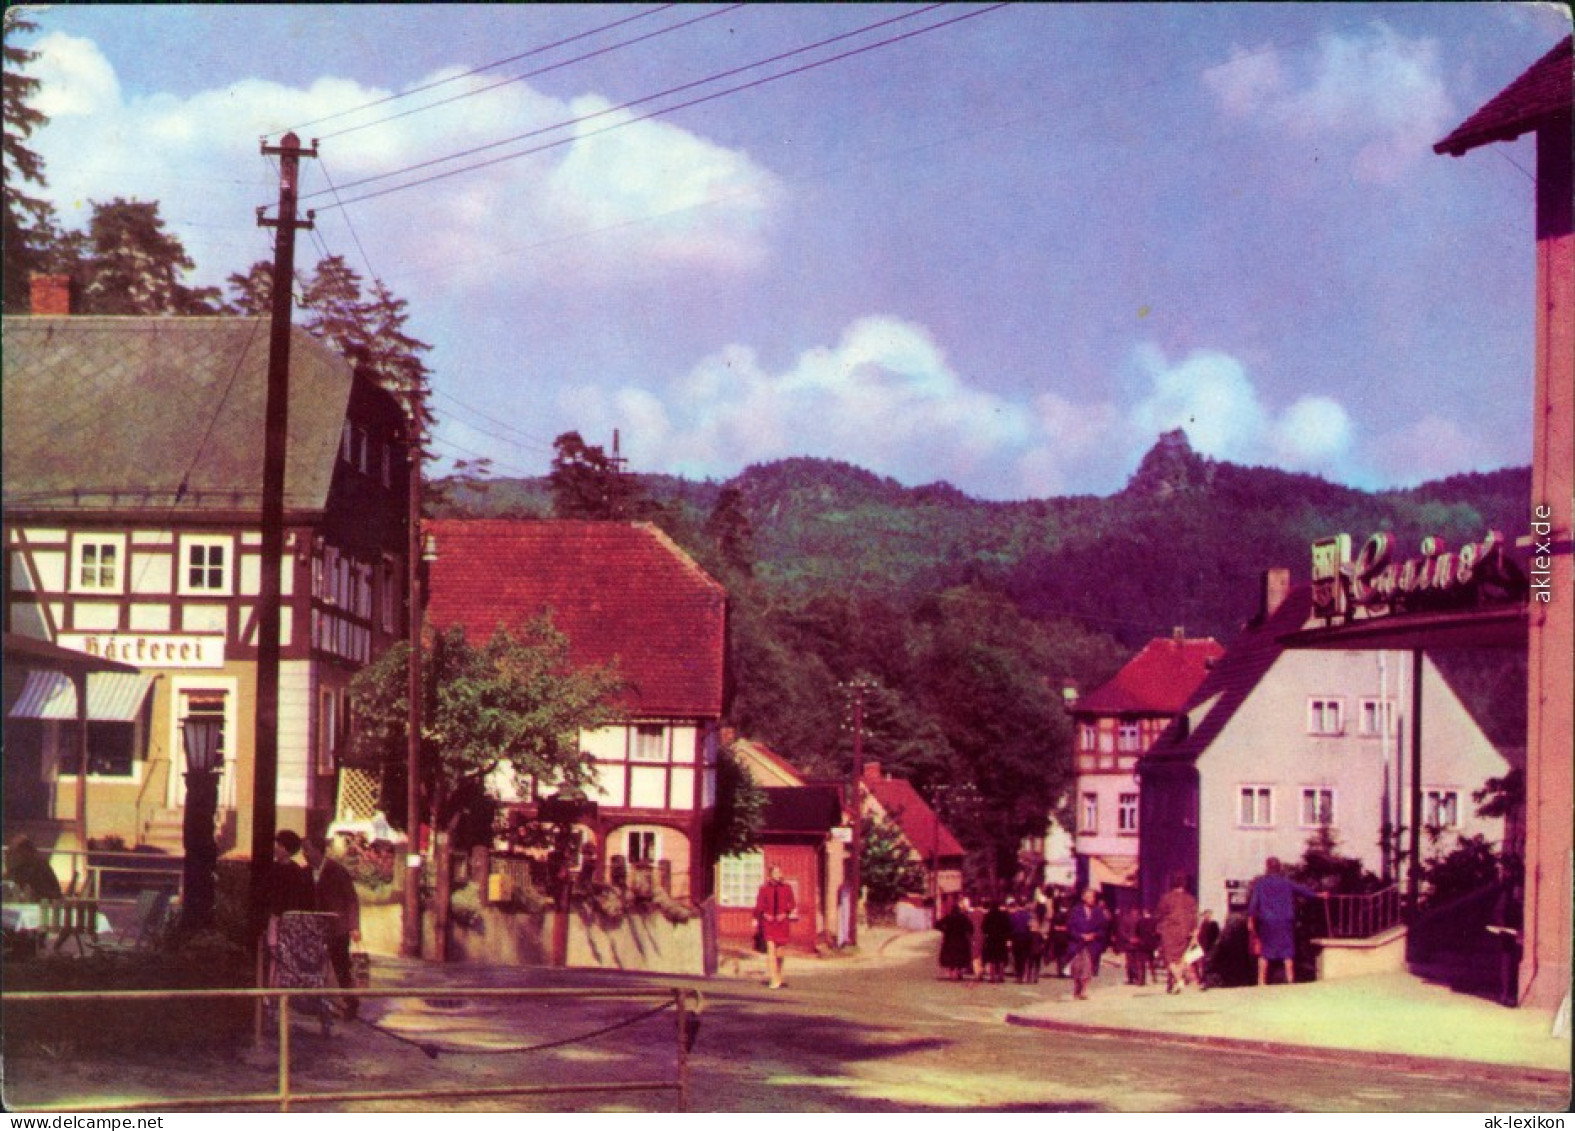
(1541, 94)
(1157, 681)
(909, 811)
(619, 591)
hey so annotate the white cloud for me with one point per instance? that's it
(1431, 447)
(658, 196)
(1211, 395)
(1381, 96)
(883, 396)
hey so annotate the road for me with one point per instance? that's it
(871, 1037)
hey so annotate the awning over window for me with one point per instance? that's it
(113, 697)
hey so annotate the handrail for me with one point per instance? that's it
(147, 779)
(686, 1001)
(1362, 916)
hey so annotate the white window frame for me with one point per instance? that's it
(1375, 717)
(738, 879)
(629, 842)
(391, 592)
(1088, 737)
(1129, 737)
(1262, 799)
(1325, 716)
(1432, 798)
(1315, 793)
(642, 737)
(190, 542)
(1127, 813)
(1088, 814)
(327, 729)
(80, 544)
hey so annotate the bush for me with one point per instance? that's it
(204, 961)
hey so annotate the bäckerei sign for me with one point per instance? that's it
(148, 651)
(1375, 582)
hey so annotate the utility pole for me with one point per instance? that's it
(265, 756)
(410, 943)
(856, 884)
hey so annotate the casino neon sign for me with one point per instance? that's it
(1376, 583)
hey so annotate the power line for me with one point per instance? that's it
(526, 437)
(653, 114)
(627, 105)
(474, 71)
(537, 72)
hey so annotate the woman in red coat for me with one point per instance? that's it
(774, 915)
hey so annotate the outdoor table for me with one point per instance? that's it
(28, 918)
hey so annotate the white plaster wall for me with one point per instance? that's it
(1267, 743)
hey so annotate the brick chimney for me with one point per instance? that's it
(53, 295)
(1276, 587)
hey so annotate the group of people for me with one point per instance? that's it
(1174, 939)
(320, 884)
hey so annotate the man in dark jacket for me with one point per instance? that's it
(333, 892)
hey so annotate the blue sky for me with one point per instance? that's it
(1006, 252)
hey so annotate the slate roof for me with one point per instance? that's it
(113, 413)
(912, 814)
(619, 591)
(1542, 93)
(1234, 677)
(1157, 681)
(802, 809)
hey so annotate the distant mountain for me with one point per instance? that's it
(1183, 544)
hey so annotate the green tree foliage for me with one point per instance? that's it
(368, 327)
(729, 528)
(740, 806)
(588, 483)
(1471, 864)
(134, 265)
(887, 869)
(251, 294)
(516, 699)
(29, 221)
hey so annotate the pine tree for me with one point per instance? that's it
(29, 221)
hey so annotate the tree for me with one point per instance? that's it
(740, 806)
(515, 699)
(588, 483)
(368, 330)
(729, 528)
(134, 265)
(887, 868)
(29, 221)
(252, 293)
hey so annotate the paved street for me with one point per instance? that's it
(883, 1036)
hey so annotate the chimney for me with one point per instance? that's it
(1276, 587)
(1178, 635)
(872, 771)
(52, 295)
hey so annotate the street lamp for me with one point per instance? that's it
(204, 763)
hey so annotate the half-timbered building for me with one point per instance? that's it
(133, 452)
(626, 595)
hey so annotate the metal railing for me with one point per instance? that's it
(685, 1002)
(1362, 916)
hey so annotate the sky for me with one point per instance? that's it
(1001, 246)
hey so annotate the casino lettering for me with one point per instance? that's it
(1376, 584)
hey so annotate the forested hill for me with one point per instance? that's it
(1183, 544)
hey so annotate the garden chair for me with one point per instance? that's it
(147, 923)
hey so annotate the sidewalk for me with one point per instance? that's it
(1393, 1018)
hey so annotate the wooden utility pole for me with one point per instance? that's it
(410, 943)
(856, 882)
(265, 754)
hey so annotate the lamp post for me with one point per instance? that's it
(204, 764)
